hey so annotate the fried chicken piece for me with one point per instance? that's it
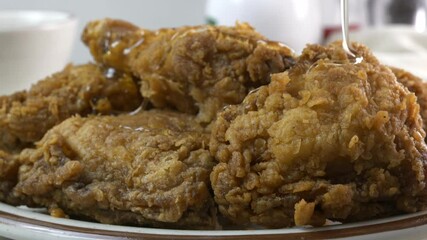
(192, 69)
(417, 86)
(9, 164)
(8, 141)
(149, 169)
(26, 116)
(326, 139)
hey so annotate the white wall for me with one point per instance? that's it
(149, 14)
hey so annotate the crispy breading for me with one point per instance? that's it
(243, 125)
(192, 69)
(148, 169)
(327, 139)
(417, 86)
(86, 89)
(9, 164)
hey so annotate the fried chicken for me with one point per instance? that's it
(9, 164)
(328, 139)
(148, 169)
(84, 89)
(316, 137)
(417, 86)
(192, 69)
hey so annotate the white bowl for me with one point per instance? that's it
(293, 22)
(34, 44)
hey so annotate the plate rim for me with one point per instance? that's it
(13, 216)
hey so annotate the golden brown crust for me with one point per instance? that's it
(149, 169)
(345, 137)
(326, 139)
(9, 164)
(417, 86)
(192, 69)
(84, 89)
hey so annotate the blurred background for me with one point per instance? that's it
(148, 14)
(294, 22)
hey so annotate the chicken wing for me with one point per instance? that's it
(327, 139)
(84, 89)
(192, 69)
(148, 169)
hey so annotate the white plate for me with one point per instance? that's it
(21, 223)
